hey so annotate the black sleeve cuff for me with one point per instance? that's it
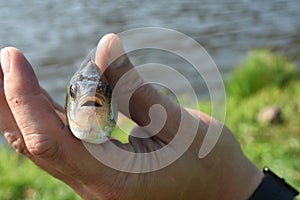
(274, 188)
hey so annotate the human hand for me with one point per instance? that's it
(36, 127)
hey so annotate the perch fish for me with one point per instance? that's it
(89, 109)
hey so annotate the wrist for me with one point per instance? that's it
(239, 181)
(247, 180)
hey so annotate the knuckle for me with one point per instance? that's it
(41, 146)
(16, 141)
(11, 136)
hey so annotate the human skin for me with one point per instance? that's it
(36, 127)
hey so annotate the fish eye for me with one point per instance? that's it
(72, 91)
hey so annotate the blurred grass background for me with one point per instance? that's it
(20, 179)
(266, 79)
(263, 79)
(277, 146)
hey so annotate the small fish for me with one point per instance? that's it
(89, 108)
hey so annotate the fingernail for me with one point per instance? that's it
(101, 57)
(117, 54)
(110, 52)
(5, 60)
(102, 41)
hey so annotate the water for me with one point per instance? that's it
(56, 35)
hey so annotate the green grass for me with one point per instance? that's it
(263, 79)
(261, 68)
(20, 179)
(276, 146)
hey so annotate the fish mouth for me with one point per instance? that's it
(92, 102)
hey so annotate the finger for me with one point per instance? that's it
(8, 124)
(18, 91)
(27, 105)
(49, 142)
(133, 97)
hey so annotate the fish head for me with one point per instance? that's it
(89, 109)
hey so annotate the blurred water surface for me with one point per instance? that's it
(57, 35)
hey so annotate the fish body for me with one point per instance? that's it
(89, 108)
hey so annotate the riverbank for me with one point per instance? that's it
(273, 145)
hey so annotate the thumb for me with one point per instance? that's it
(133, 96)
